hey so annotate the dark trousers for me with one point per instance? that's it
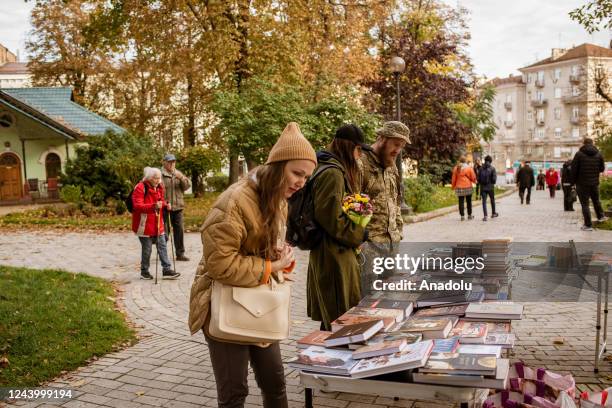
(484, 195)
(552, 190)
(584, 194)
(568, 203)
(465, 199)
(230, 364)
(176, 218)
(522, 193)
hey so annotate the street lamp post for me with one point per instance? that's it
(397, 65)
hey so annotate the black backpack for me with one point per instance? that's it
(302, 229)
(485, 176)
(128, 201)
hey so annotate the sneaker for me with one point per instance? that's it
(585, 228)
(470, 217)
(182, 258)
(494, 215)
(603, 219)
(145, 276)
(484, 218)
(170, 274)
(462, 218)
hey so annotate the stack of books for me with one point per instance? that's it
(496, 254)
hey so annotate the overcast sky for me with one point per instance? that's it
(506, 35)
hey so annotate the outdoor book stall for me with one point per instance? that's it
(440, 345)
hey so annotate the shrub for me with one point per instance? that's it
(418, 192)
(93, 195)
(218, 182)
(605, 188)
(70, 194)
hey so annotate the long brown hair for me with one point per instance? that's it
(343, 150)
(270, 188)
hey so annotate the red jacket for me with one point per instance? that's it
(552, 177)
(143, 215)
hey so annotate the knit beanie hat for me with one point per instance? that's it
(292, 145)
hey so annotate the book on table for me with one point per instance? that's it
(405, 306)
(457, 310)
(482, 349)
(409, 338)
(324, 360)
(455, 363)
(350, 318)
(379, 349)
(354, 333)
(470, 332)
(495, 310)
(429, 328)
(412, 356)
(505, 340)
(316, 338)
(449, 345)
(499, 381)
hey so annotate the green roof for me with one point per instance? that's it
(57, 105)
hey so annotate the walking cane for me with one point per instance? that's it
(158, 216)
(170, 231)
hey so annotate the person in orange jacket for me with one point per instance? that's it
(462, 182)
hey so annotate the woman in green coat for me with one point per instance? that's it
(333, 283)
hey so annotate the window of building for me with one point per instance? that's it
(557, 73)
(540, 96)
(575, 133)
(575, 90)
(557, 152)
(541, 76)
(509, 98)
(575, 112)
(540, 114)
(529, 115)
(6, 120)
(53, 165)
(557, 113)
(509, 116)
(557, 132)
(540, 133)
(529, 78)
(557, 93)
(575, 69)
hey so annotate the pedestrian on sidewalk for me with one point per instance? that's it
(569, 194)
(586, 166)
(381, 182)
(334, 283)
(244, 245)
(525, 181)
(462, 181)
(552, 179)
(175, 184)
(477, 167)
(541, 180)
(487, 177)
(147, 222)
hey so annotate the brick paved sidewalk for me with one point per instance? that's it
(170, 368)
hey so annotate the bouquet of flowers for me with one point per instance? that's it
(358, 208)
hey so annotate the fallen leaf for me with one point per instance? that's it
(139, 393)
(4, 362)
(558, 340)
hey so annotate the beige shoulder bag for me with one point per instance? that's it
(251, 315)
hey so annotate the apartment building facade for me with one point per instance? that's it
(13, 74)
(556, 107)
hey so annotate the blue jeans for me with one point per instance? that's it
(160, 243)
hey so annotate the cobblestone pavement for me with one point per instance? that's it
(170, 368)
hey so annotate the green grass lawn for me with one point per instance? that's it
(444, 196)
(57, 217)
(51, 321)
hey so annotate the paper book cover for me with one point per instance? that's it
(423, 325)
(469, 330)
(449, 345)
(461, 363)
(494, 309)
(458, 310)
(480, 349)
(316, 357)
(396, 314)
(354, 333)
(316, 338)
(506, 340)
(498, 327)
(350, 319)
(379, 349)
(412, 356)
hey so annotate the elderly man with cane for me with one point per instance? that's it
(175, 184)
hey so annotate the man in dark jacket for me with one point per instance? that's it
(567, 184)
(525, 180)
(487, 177)
(588, 163)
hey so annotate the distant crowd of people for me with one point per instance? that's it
(579, 179)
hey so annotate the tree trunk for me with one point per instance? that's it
(233, 167)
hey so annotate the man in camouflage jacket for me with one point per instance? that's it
(380, 180)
